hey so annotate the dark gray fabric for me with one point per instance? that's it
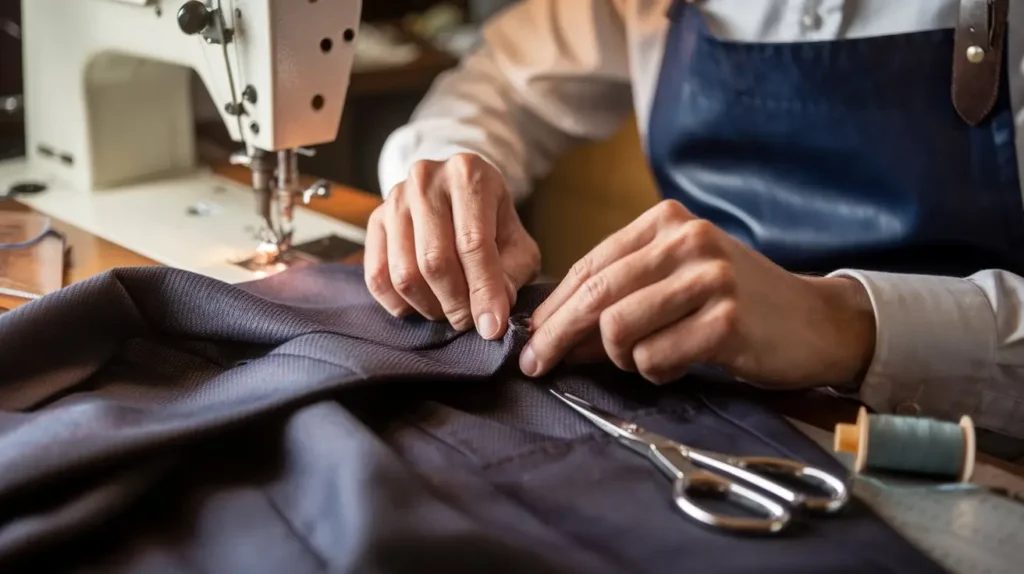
(153, 420)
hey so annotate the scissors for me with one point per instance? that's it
(683, 465)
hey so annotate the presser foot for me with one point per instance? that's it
(269, 260)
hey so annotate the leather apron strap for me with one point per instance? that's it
(978, 57)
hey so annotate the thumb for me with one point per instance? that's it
(520, 259)
(511, 290)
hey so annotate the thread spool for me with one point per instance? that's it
(913, 445)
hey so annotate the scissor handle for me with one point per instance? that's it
(773, 516)
(838, 493)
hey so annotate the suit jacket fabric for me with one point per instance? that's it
(153, 420)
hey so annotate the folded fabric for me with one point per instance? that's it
(153, 420)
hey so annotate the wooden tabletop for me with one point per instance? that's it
(91, 255)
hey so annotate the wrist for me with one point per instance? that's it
(849, 327)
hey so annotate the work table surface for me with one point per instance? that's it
(91, 255)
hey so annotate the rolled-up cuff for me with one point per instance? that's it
(934, 344)
(395, 165)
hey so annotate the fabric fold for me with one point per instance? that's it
(152, 420)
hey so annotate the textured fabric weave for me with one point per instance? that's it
(152, 420)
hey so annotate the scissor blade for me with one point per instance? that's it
(611, 424)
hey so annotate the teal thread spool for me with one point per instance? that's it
(922, 446)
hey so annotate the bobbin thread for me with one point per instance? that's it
(914, 445)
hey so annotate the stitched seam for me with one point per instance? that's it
(546, 448)
(294, 531)
(349, 367)
(998, 47)
(456, 447)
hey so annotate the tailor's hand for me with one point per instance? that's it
(670, 290)
(448, 243)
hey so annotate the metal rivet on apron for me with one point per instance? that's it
(975, 54)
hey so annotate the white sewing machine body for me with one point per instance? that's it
(110, 124)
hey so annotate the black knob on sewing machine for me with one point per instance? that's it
(193, 17)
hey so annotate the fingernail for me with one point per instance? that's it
(528, 362)
(487, 325)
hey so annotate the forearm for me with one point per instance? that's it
(520, 104)
(473, 110)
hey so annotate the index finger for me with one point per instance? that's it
(572, 323)
(435, 251)
(474, 215)
(631, 238)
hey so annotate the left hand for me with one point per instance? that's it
(670, 290)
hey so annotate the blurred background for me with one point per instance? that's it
(11, 126)
(402, 46)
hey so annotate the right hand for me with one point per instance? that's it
(448, 243)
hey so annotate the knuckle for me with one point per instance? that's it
(610, 324)
(483, 290)
(720, 276)
(726, 319)
(377, 280)
(532, 250)
(406, 279)
(464, 168)
(702, 233)
(580, 270)
(670, 210)
(646, 364)
(594, 292)
(393, 209)
(613, 330)
(376, 217)
(471, 241)
(676, 243)
(420, 175)
(524, 244)
(616, 342)
(463, 162)
(435, 262)
(396, 192)
(459, 316)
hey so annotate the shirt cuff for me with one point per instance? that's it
(934, 344)
(398, 157)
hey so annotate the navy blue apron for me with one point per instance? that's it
(849, 153)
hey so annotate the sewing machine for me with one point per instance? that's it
(110, 121)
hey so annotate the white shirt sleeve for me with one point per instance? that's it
(549, 73)
(948, 346)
